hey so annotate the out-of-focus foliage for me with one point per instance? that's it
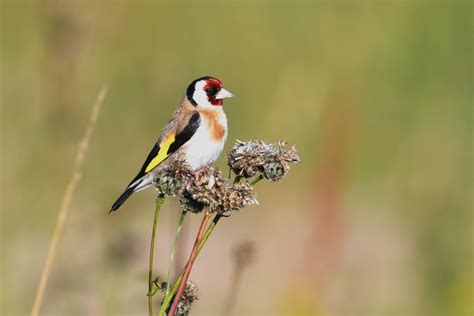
(377, 96)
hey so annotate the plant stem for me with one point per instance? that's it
(209, 231)
(190, 263)
(170, 264)
(256, 180)
(159, 202)
(174, 289)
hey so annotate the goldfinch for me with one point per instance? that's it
(197, 130)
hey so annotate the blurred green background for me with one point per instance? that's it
(377, 96)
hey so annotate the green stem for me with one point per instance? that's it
(170, 264)
(209, 231)
(174, 289)
(237, 179)
(256, 180)
(159, 202)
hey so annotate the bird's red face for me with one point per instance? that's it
(207, 92)
(212, 87)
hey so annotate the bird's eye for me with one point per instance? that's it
(209, 90)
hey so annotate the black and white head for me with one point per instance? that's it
(207, 92)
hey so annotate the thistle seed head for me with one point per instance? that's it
(248, 159)
(236, 197)
(189, 204)
(187, 299)
(211, 190)
(170, 179)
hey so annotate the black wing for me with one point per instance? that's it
(180, 139)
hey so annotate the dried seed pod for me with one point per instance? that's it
(248, 159)
(279, 165)
(189, 204)
(204, 190)
(171, 178)
(236, 197)
(187, 299)
(211, 190)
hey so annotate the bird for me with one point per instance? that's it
(197, 131)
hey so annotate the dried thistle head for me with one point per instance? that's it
(211, 190)
(278, 165)
(187, 299)
(236, 197)
(248, 159)
(208, 187)
(202, 190)
(245, 158)
(189, 204)
(170, 179)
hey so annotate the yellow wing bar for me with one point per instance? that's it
(162, 153)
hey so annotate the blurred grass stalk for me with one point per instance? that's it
(66, 202)
(243, 255)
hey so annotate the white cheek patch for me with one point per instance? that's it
(200, 95)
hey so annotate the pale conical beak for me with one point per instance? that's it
(224, 94)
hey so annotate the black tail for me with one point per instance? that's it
(122, 198)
